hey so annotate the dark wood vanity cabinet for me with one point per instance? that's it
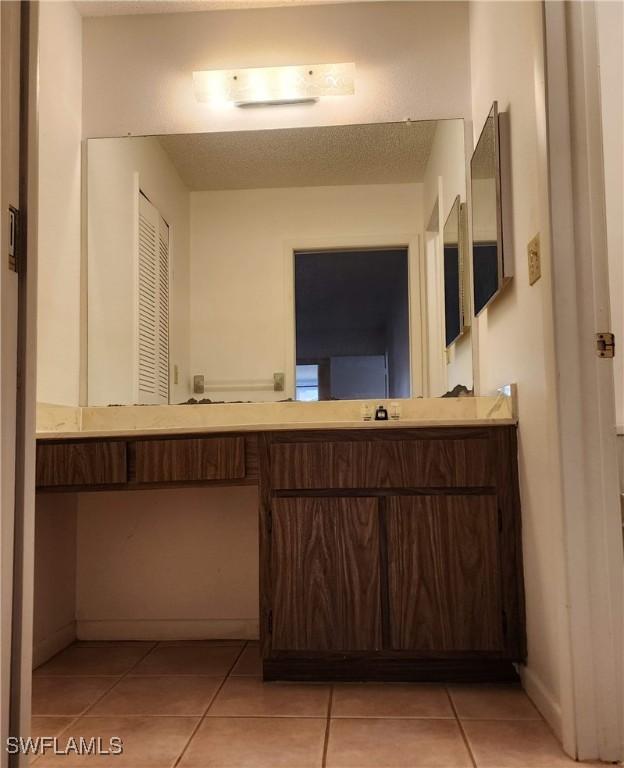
(391, 555)
(385, 553)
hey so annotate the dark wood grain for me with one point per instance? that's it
(379, 432)
(252, 458)
(511, 567)
(265, 541)
(325, 570)
(444, 573)
(382, 463)
(80, 463)
(181, 460)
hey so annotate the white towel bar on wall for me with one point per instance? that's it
(276, 384)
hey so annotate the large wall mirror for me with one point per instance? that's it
(454, 304)
(491, 259)
(275, 264)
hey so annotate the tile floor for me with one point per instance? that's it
(203, 704)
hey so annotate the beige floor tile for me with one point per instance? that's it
(256, 743)
(514, 744)
(67, 695)
(48, 725)
(197, 659)
(93, 660)
(186, 695)
(492, 702)
(148, 742)
(390, 700)
(250, 697)
(388, 743)
(250, 662)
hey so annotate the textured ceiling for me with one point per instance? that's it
(133, 7)
(384, 153)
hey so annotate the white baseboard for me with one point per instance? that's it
(167, 629)
(50, 646)
(543, 700)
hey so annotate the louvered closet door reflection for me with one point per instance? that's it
(153, 305)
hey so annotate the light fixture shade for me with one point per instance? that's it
(274, 85)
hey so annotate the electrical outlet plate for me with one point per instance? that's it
(278, 382)
(535, 260)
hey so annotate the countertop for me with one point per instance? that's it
(66, 422)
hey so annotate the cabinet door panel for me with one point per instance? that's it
(444, 573)
(326, 581)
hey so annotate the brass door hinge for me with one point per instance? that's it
(605, 345)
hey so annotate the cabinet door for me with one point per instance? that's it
(325, 572)
(444, 573)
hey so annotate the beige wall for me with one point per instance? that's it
(242, 246)
(411, 61)
(445, 178)
(60, 133)
(445, 175)
(116, 171)
(168, 564)
(516, 333)
(55, 574)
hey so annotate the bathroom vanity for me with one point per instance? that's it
(387, 551)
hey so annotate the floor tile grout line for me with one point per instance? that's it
(119, 679)
(327, 726)
(461, 727)
(83, 713)
(177, 761)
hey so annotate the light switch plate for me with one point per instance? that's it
(535, 260)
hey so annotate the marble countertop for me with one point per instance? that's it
(63, 422)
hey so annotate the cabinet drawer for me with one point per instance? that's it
(81, 464)
(411, 463)
(217, 458)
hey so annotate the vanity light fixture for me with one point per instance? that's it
(270, 86)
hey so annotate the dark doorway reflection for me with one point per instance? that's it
(352, 318)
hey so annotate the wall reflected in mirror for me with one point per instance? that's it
(274, 265)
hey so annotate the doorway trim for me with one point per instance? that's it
(416, 295)
(592, 686)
